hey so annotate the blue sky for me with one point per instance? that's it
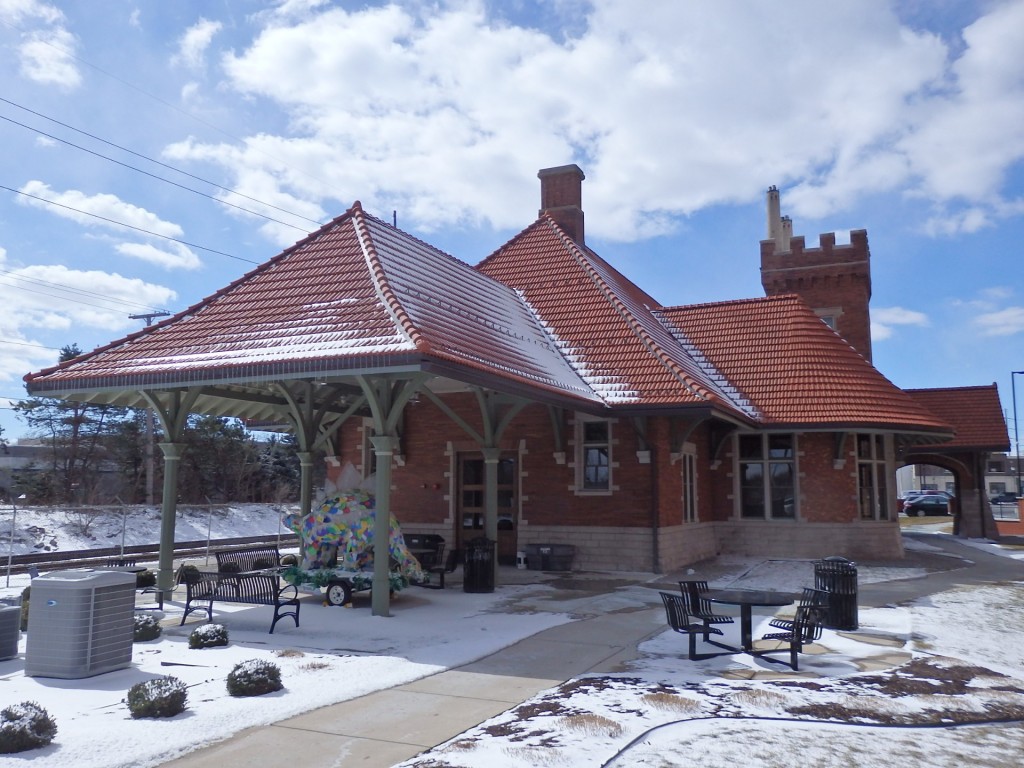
(901, 118)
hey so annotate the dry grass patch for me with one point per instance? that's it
(762, 699)
(591, 725)
(670, 702)
(289, 653)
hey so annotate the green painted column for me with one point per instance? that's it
(491, 457)
(384, 448)
(168, 514)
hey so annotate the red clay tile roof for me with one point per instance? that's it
(605, 324)
(357, 294)
(793, 368)
(542, 311)
(975, 412)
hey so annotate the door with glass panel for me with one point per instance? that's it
(471, 497)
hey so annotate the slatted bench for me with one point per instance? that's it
(243, 576)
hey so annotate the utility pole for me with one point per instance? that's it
(148, 317)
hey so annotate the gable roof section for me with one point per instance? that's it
(975, 412)
(357, 295)
(795, 369)
(604, 324)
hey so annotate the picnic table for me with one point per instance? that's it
(747, 600)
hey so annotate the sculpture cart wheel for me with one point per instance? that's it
(339, 593)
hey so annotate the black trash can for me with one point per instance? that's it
(838, 577)
(478, 565)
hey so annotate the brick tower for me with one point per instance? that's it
(834, 279)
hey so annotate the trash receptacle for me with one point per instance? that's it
(550, 557)
(838, 577)
(478, 565)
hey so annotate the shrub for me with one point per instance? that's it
(187, 573)
(254, 678)
(159, 697)
(208, 636)
(146, 628)
(144, 579)
(25, 726)
(24, 608)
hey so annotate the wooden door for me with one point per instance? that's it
(471, 498)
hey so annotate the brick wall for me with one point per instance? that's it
(613, 531)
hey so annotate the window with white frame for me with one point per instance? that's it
(872, 477)
(593, 455)
(766, 475)
(688, 459)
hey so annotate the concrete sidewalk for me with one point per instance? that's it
(389, 726)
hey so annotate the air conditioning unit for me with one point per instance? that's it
(10, 630)
(80, 623)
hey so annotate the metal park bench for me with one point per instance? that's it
(243, 576)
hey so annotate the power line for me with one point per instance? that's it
(167, 181)
(128, 226)
(10, 275)
(167, 104)
(27, 344)
(72, 301)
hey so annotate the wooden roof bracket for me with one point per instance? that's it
(680, 430)
(718, 435)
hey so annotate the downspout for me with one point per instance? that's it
(655, 499)
(979, 482)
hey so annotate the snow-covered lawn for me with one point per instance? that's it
(871, 697)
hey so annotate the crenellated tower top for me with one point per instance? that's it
(834, 279)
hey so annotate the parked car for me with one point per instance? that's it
(907, 496)
(1004, 498)
(930, 504)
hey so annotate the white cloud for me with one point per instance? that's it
(1005, 322)
(683, 108)
(884, 318)
(54, 296)
(193, 44)
(174, 256)
(17, 11)
(46, 54)
(53, 299)
(77, 206)
(48, 57)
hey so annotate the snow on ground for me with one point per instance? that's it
(53, 529)
(865, 699)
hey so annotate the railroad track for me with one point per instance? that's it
(83, 558)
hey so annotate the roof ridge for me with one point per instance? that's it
(653, 347)
(993, 385)
(381, 283)
(781, 297)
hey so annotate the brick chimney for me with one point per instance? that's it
(561, 197)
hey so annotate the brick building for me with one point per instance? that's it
(542, 397)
